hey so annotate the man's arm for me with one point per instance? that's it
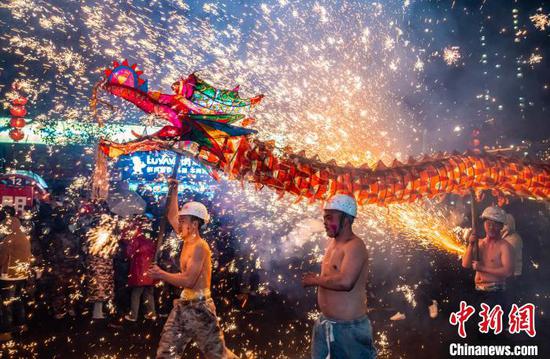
(173, 206)
(507, 259)
(188, 278)
(468, 256)
(355, 257)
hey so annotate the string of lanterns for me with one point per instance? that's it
(18, 112)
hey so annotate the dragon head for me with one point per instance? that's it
(185, 87)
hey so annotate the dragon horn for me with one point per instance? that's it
(256, 100)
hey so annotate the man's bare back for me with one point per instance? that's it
(344, 305)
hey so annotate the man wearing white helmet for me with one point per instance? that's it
(495, 259)
(193, 316)
(343, 329)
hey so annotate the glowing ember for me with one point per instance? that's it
(540, 21)
(534, 59)
(451, 55)
(101, 240)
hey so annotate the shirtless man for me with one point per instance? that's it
(343, 329)
(194, 314)
(496, 259)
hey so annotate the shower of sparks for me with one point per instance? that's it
(19, 269)
(535, 59)
(383, 345)
(426, 225)
(262, 63)
(102, 241)
(171, 244)
(451, 55)
(419, 65)
(5, 229)
(77, 186)
(540, 21)
(408, 293)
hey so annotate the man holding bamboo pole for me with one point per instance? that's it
(193, 316)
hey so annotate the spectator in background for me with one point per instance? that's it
(65, 267)
(141, 252)
(15, 261)
(99, 266)
(510, 235)
(147, 196)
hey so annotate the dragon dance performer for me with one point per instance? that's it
(343, 329)
(496, 258)
(193, 316)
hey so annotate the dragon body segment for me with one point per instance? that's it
(202, 114)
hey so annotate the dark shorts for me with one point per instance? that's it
(338, 339)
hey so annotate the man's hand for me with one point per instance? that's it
(472, 239)
(172, 181)
(155, 272)
(309, 279)
(477, 266)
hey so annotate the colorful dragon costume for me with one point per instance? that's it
(202, 114)
(196, 111)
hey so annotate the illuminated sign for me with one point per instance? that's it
(149, 168)
(20, 189)
(154, 164)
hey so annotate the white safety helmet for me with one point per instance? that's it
(196, 209)
(510, 224)
(494, 213)
(343, 203)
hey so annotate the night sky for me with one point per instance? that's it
(492, 86)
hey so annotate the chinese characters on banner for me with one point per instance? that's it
(520, 319)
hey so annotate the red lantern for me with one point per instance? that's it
(16, 135)
(17, 122)
(18, 111)
(20, 101)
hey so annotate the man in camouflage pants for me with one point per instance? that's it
(193, 316)
(192, 320)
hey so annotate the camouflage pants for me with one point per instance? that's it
(195, 321)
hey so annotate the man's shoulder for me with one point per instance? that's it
(203, 245)
(356, 244)
(513, 239)
(505, 244)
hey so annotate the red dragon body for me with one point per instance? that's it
(240, 157)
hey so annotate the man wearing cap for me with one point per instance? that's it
(193, 316)
(495, 260)
(343, 330)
